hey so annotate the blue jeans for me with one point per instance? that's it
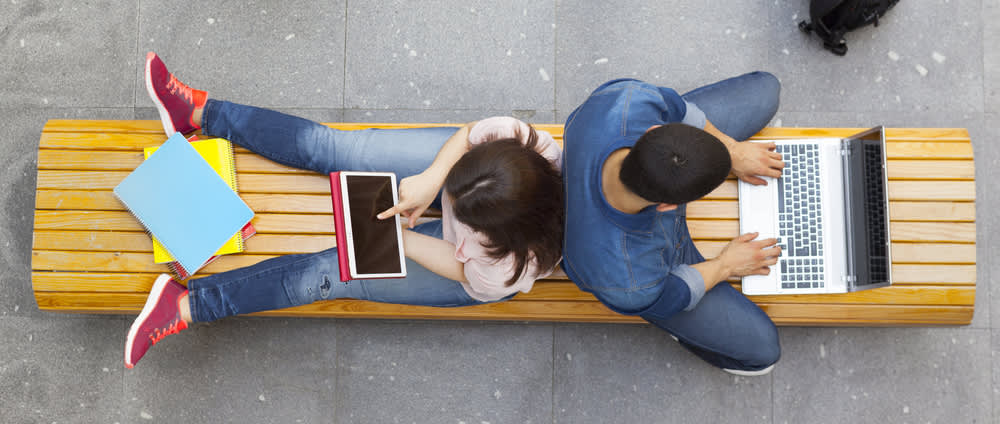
(726, 329)
(294, 280)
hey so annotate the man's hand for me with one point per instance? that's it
(750, 160)
(753, 160)
(415, 195)
(742, 256)
(745, 256)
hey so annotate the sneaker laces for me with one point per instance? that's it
(174, 327)
(178, 88)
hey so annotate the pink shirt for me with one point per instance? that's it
(487, 276)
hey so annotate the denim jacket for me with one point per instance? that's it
(633, 263)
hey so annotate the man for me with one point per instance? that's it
(634, 155)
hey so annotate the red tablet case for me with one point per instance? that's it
(338, 224)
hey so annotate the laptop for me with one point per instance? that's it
(830, 213)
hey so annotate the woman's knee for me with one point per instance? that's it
(315, 278)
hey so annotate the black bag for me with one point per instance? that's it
(831, 19)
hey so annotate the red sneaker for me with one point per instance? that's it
(175, 100)
(159, 318)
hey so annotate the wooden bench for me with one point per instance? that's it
(90, 255)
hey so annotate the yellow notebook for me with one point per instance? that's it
(219, 154)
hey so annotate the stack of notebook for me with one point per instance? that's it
(219, 155)
(185, 195)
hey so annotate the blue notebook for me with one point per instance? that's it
(182, 201)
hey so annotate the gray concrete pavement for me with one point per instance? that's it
(931, 63)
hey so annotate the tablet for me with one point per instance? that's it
(368, 247)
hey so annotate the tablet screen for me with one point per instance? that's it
(375, 244)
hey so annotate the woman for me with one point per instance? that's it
(501, 226)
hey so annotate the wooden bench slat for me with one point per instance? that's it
(514, 309)
(945, 135)
(902, 253)
(131, 282)
(100, 141)
(106, 241)
(273, 244)
(933, 231)
(934, 274)
(154, 126)
(893, 295)
(259, 202)
(899, 211)
(320, 184)
(320, 203)
(103, 126)
(934, 253)
(90, 160)
(277, 244)
(86, 220)
(932, 190)
(783, 314)
(945, 232)
(80, 261)
(124, 221)
(908, 150)
(142, 282)
(866, 315)
(70, 261)
(102, 284)
(931, 169)
(248, 183)
(83, 160)
(134, 282)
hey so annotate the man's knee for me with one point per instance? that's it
(768, 88)
(767, 350)
(766, 82)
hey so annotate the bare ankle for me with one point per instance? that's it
(196, 115)
(185, 308)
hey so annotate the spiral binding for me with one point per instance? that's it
(231, 160)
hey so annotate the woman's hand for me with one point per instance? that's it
(415, 195)
(417, 192)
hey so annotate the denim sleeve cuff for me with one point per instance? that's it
(694, 117)
(694, 281)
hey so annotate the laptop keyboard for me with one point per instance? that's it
(800, 225)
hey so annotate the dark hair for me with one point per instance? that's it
(675, 164)
(514, 196)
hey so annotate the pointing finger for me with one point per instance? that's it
(387, 213)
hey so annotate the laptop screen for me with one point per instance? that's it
(869, 204)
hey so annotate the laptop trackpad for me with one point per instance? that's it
(757, 208)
